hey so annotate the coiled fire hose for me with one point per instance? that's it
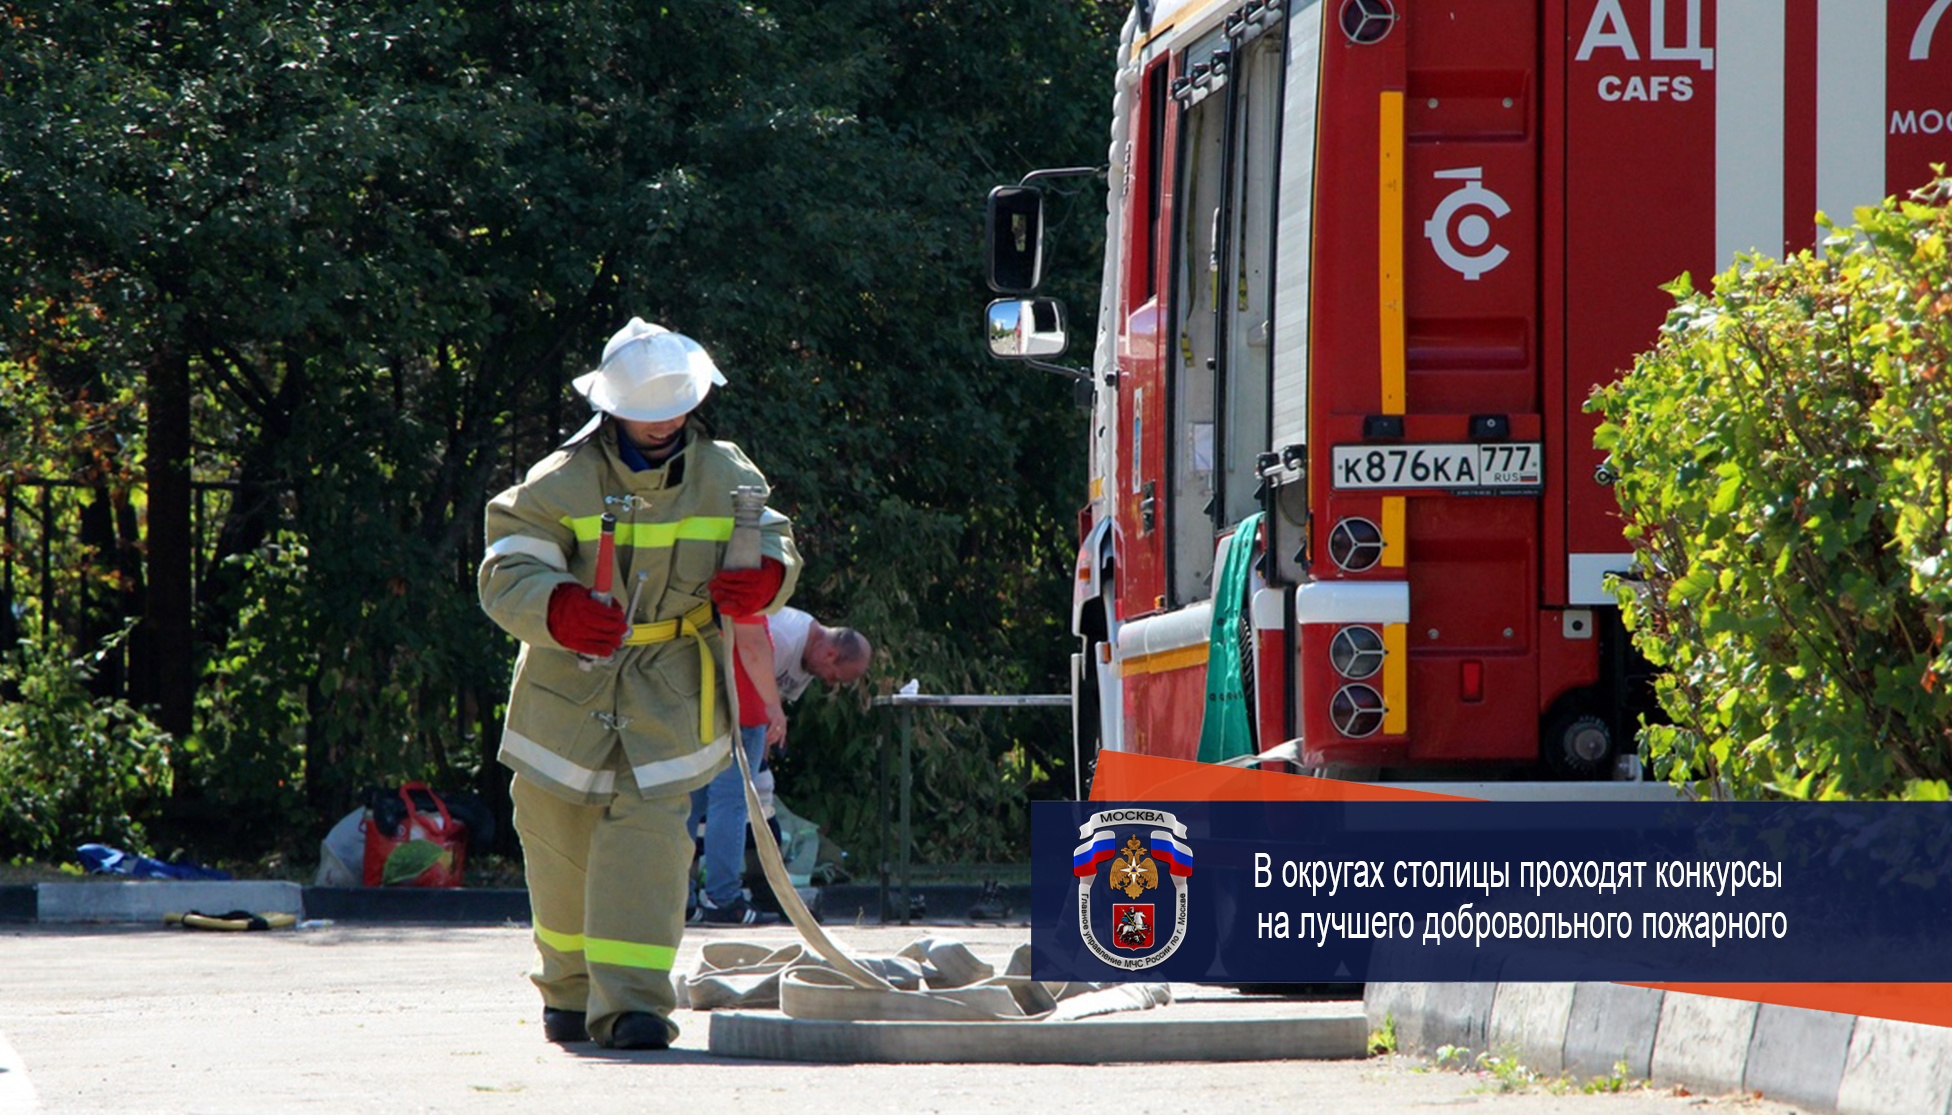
(959, 987)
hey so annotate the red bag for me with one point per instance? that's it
(420, 849)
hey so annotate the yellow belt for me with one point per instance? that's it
(694, 623)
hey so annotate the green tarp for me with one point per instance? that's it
(1224, 729)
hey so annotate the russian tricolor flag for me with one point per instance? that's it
(1177, 857)
(1091, 853)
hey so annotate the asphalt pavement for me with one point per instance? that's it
(418, 1018)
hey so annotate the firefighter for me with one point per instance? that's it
(616, 713)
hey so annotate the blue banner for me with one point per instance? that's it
(1311, 892)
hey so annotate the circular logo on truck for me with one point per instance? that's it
(1460, 228)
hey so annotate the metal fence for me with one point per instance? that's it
(905, 704)
(34, 514)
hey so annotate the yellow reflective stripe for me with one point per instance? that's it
(1393, 548)
(600, 950)
(1396, 679)
(703, 528)
(1389, 250)
(586, 528)
(630, 954)
(561, 942)
(650, 536)
(1163, 661)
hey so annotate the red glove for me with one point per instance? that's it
(742, 592)
(585, 624)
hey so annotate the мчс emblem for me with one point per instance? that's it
(1134, 872)
(1131, 937)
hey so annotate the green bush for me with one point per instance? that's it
(74, 768)
(1784, 456)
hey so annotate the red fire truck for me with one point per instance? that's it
(1365, 260)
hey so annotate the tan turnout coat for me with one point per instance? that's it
(635, 720)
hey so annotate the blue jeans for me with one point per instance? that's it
(722, 803)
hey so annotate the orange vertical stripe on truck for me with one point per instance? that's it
(1389, 248)
(1396, 679)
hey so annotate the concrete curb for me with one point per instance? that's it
(1814, 1059)
(141, 900)
(1704, 1043)
(1798, 1055)
(1132, 1037)
(1896, 1068)
(1521, 1017)
(1611, 1024)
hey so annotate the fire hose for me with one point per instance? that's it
(931, 980)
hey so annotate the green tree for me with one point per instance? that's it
(77, 768)
(317, 275)
(1785, 471)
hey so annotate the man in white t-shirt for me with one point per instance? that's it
(803, 649)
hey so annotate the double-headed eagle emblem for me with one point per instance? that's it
(1134, 872)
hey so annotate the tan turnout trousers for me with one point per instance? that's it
(605, 948)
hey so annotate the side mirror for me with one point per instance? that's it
(1014, 230)
(1027, 329)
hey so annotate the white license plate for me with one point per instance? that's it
(1457, 466)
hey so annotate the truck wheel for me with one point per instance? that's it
(1579, 746)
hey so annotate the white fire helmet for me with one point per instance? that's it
(649, 374)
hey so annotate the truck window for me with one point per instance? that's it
(1155, 165)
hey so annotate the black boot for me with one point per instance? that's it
(639, 1030)
(564, 1026)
